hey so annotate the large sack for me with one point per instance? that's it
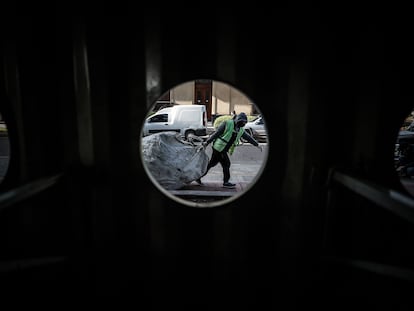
(172, 161)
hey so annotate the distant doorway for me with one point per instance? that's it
(202, 94)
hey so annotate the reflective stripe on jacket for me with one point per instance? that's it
(221, 142)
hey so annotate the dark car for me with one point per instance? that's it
(404, 153)
(404, 137)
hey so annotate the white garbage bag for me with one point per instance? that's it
(172, 161)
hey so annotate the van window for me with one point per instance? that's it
(159, 118)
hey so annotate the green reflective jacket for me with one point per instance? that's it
(221, 142)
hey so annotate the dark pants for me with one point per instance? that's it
(224, 160)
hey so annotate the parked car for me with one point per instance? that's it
(183, 119)
(257, 129)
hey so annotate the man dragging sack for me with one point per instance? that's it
(225, 139)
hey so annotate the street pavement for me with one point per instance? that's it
(247, 163)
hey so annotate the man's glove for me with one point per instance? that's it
(260, 147)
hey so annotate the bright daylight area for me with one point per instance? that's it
(204, 143)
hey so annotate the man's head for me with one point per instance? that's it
(241, 119)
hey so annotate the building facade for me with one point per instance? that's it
(218, 97)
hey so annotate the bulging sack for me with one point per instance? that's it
(172, 161)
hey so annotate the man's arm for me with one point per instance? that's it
(251, 140)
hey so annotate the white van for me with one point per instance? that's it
(183, 119)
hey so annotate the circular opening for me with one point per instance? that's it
(204, 143)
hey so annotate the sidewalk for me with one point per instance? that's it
(242, 174)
